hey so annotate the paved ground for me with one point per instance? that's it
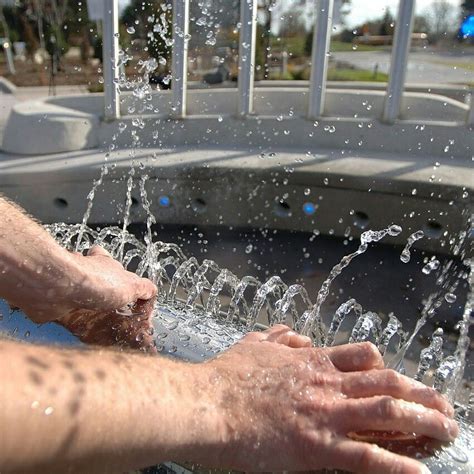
(423, 67)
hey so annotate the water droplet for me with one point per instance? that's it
(130, 30)
(430, 266)
(450, 297)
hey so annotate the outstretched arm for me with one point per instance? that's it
(51, 284)
(270, 403)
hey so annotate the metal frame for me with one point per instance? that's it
(179, 66)
(470, 114)
(319, 57)
(110, 60)
(247, 42)
(398, 66)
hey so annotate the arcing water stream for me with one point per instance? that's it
(203, 309)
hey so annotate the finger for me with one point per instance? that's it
(354, 357)
(294, 340)
(270, 334)
(97, 250)
(144, 309)
(145, 289)
(291, 339)
(255, 336)
(279, 334)
(389, 414)
(365, 458)
(282, 334)
(388, 382)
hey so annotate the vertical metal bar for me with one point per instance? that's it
(398, 66)
(470, 114)
(319, 57)
(7, 47)
(179, 65)
(110, 60)
(247, 42)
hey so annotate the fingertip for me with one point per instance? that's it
(373, 355)
(147, 289)
(97, 250)
(297, 341)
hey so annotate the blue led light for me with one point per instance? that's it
(309, 208)
(467, 27)
(164, 201)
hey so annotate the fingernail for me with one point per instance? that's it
(453, 428)
(424, 470)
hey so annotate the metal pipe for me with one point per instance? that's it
(470, 114)
(7, 48)
(110, 60)
(398, 66)
(247, 42)
(319, 57)
(179, 62)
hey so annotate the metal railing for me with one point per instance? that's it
(247, 43)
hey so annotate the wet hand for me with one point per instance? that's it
(99, 301)
(289, 406)
(129, 327)
(113, 306)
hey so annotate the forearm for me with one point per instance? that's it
(84, 411)
(33, 267)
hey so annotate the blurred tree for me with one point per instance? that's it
(387, 24)
(421, 25)
(468, 5)
(440, 16)
(345, 7)
(264, 32)
(150, 21)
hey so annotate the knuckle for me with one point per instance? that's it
(280, 328)
(388, 408)
(371, 350)
(393, 379)
(366, 458)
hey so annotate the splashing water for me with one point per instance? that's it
(252, 302)
(186, 324)
(406, 254)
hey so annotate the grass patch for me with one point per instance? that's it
(455, 64)
(294, 45)
(339, 46)
(342, 74)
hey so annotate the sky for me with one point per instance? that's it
(362, 10)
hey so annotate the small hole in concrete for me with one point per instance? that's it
(433, 229)
(134, 202)
(282, 209)
(61, 203)
(361, 219)
(199, 205)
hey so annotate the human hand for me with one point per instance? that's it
(120, 311)
(99, 301)
(294, 407)
(129, 327)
